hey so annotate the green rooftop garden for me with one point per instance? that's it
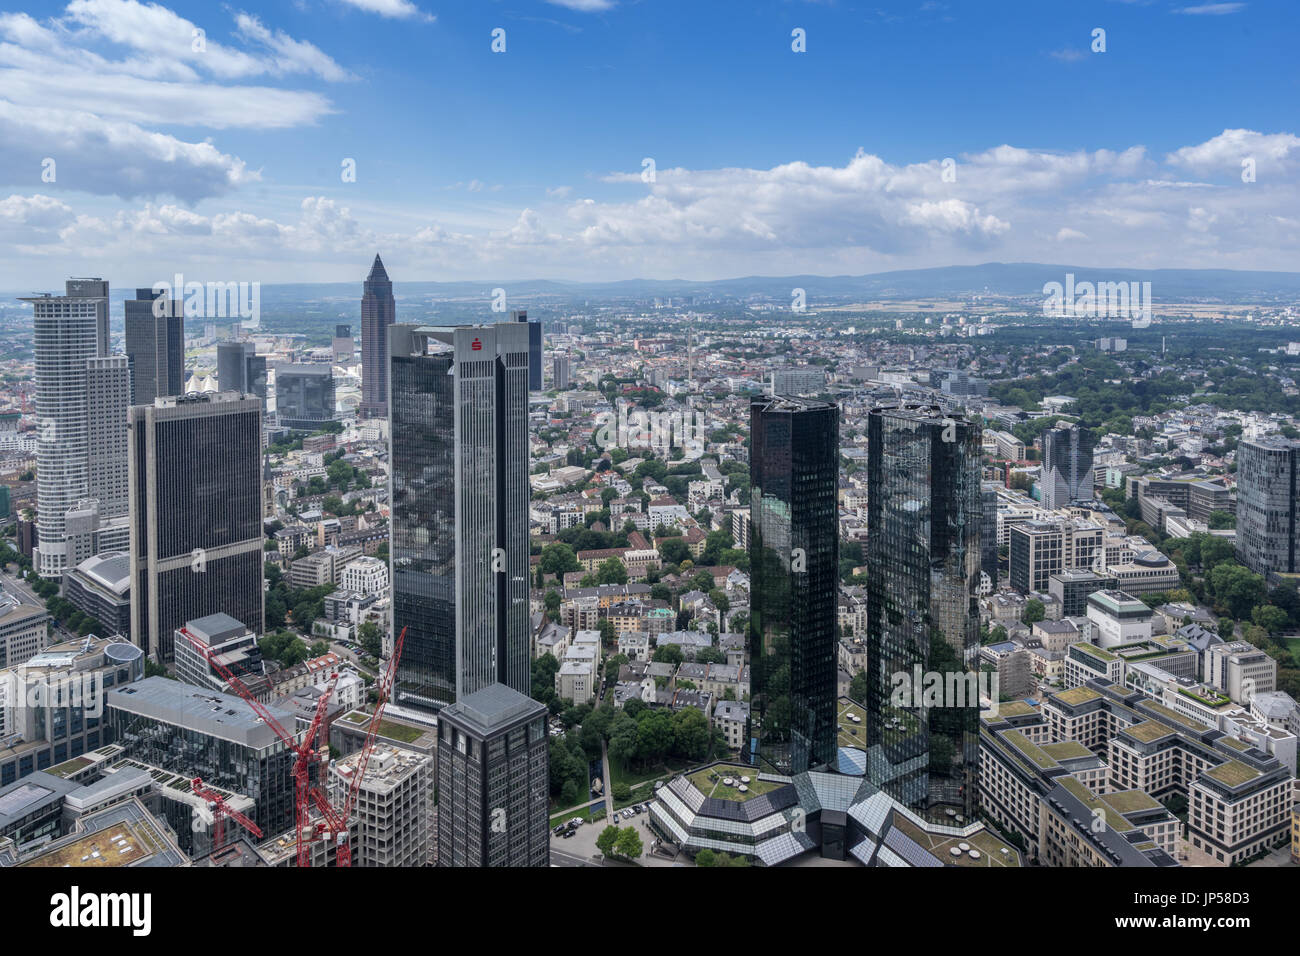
(710, 783)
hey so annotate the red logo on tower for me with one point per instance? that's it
(476, 345)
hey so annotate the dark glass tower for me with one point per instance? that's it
(378, 312)
(1067, 466)
(156, 345)
(1268, 520)
(241, 369)
(195, 472)
(923, 564)
(458, 455)
(304, 395)
(794, 578)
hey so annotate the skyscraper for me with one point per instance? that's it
(378, 312)
(241, 369)
(156, 345)
(108, 384)
(196, 514)
(1268, 521)
(560, 372)
(458, 454)
(989, 561)
(304, 395)
(1067, 465)
(794, 579)
(69, 330)
(492, 780)
(534, 348)
(344, 350)
(923, 560)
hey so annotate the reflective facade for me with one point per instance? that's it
(1267, 482)
(923, 564)
(459, 463)
(241, 369)
(304, 396)
(1067, 466)
(794, 577)
(156, 345)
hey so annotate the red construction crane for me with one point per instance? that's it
(221, 810)
(304, 753)
(337, 818)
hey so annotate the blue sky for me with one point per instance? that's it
(528, 163)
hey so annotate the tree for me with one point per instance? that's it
(370, 638)
(690, 733)
(628, 844)
(608, 840)
(558, 558)
(612, 667)
(720, 600)
(623, 737)
(611, 571)
(705, 857)
(1270, 618)
(859, 687)
(1034, 611)
(668, 654)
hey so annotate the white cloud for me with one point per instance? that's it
(394, 9)
(1212, 9)
(863, 215)
(66, 92)
(584, 6)
(1276, 153)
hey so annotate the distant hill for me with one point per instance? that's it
(1013, 279)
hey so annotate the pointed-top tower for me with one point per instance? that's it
(378, 312)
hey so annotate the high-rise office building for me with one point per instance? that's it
(205, 733)
(155, 342)
(241, 369)
(344, 348)
(560, 372)
(1268, 522)
(923, 560)
(304, 395)
(534, 348)
(69, 330)
(989, 531)
(794, 577)
(108, 384)
(458, 456)
(378, 312)
(196, 514)
(1067, 466)
(492, 780)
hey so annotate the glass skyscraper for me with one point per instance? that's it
(156, 345)
(1267, 518)
(458, 455)
(1067, 466)
(794, 577)
(923, 567)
